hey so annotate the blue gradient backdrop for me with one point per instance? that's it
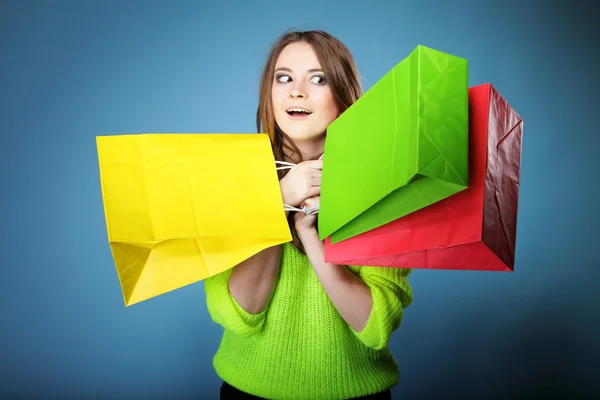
(71, 70)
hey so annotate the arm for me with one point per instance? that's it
(252, 282)
(371, 301)
(391, 293)
(349, 294)
(237, 298)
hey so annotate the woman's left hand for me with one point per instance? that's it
(305, 222)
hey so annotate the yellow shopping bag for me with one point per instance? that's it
(183, 207)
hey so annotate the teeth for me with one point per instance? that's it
(298, 110)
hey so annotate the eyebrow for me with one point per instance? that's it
(289, 70)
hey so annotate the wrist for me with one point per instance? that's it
(304, 231)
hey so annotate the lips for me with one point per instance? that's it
(298, 111)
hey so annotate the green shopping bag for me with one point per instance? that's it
(401, 147)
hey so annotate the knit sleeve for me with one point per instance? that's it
(391, 294)
(226, 311)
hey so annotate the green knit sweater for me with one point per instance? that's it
(300, 347)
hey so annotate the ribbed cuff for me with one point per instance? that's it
(252, 320)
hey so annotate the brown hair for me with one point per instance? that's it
(342, 76)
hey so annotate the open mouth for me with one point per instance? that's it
(298, 111)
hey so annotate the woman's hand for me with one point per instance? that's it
(303, 181)
(305, 222)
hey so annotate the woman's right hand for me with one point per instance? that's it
(301, 182)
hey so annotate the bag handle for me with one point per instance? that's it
(309, 211)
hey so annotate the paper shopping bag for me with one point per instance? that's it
(401, 147)
(472, 230)
(183, 207)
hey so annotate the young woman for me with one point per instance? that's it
(296, 327)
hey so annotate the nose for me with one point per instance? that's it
(298, 91)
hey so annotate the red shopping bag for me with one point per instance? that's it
(471, 230)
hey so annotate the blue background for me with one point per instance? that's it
(71, 70)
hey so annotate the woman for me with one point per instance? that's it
(294, 326)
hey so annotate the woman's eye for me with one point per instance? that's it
(283, 78)
(318, 79)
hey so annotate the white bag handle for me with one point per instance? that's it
(309, 211)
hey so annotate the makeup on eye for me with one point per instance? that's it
(319, 78)
(322, 79)
(279, 77)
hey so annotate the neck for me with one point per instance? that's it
(311, 150)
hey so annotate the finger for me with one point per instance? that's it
(315, 181)
(314, 191)
(315, 173)
(312, 201)
(315, 164)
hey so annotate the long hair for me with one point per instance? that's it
(342, 76)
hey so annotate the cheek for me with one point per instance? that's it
(331, 107)
(276, 101)
(277, 95)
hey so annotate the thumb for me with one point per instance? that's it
(312, 201)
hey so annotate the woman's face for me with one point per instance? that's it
(303, 104)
